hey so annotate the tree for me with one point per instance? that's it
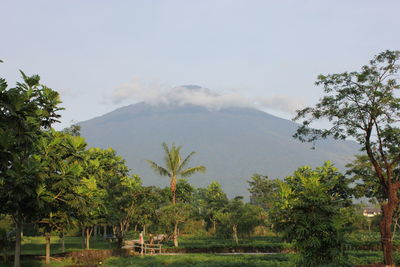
(308, 213)
(263, 191)
(149, 200)
(173, 216)
(363, 105)
(122, 204)
(74, 130)
(60, 172)
(212, 200)
(368, 186)
(239, 218)
(25, 111)
(92, 195)
(184, 191)
(175, 166)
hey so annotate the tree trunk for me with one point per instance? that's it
(88, 233)
(17, 252)
(395, 225)
(62, 242)
(386, 223)
(214, 226)
(144, 230)
(47, 239)
(369, 225)
(176, 235)
(104, 231)
(234, 229)
(173, 189)
(83, 238)
(120, 235)
(95, 232)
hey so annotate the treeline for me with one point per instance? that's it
(53, 180)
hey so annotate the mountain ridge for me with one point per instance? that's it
(233, 143)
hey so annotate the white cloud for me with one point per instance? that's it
(156, 93)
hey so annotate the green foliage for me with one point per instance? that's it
(365, 105)
(74, 130)
(60, 170)
(364, 175)
(24, 110)
(238, 219)
(209, 202)
(263, 191)
(174, 215)
(184, 191)
(308, 212)
(355, 101)
(175, 166)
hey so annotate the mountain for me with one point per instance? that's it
(233, 143)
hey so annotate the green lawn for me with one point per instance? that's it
(37, 263)
(199, 260)
(271, 241)
(36, 245)
(282, 260)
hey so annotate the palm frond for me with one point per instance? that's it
(167, 156)
(162, 171)
(185, 162)
(189, 171)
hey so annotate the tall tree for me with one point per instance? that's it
(60, 172)
(308, 213)
(211, 201)
(263, 191)
(175, 166)
(92, 195)
(368, 186)
(239, 218)
(172, 216)
(25, 111)
(364, 105)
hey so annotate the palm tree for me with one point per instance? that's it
(175, 166)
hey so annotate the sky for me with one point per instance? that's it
(101, 55)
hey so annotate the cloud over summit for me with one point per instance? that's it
(155, 94)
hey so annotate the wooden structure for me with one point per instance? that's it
(145, 249)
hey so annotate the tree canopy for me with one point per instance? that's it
(365, 106)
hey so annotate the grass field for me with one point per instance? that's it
(35, 246)
(204, 260)
(271, 241)
(200, 260)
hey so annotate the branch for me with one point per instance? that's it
(384, 158)
(395, 160)
(374, 162)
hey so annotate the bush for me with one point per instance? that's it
(308, 213)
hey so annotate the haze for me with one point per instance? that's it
(105, 54)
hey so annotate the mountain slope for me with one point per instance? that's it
(233, 143)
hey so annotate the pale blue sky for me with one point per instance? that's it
(87, 49)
